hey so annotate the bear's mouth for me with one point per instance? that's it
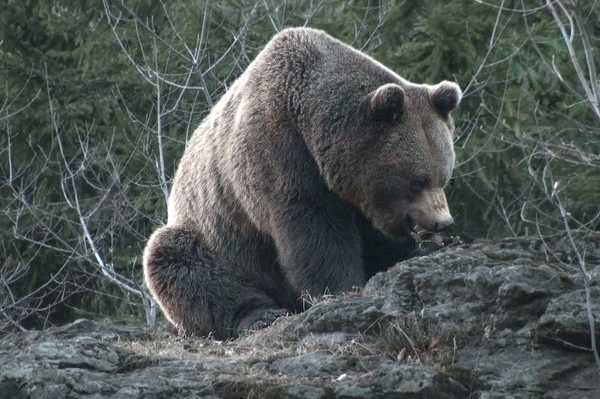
(395, 227)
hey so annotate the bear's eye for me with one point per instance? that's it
(418, 184)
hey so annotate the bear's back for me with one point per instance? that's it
(300, 73)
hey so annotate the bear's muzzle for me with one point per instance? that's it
(430, 210)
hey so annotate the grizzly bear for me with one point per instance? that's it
(307, 176)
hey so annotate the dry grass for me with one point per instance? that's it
(407, 339)
(415, 339)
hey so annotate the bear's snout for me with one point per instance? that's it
(430, 210)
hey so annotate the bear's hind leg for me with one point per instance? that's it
(199, 293)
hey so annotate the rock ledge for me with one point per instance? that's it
(484, 320)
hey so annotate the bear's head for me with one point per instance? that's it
(397, 156)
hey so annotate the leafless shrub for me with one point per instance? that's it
(575, 35)
(542, 206)
(103, 195)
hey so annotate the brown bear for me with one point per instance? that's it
(307, 176)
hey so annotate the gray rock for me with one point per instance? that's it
(565, 320)
(484, 320)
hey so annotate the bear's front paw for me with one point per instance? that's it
(259, 319)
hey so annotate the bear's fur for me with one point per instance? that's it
(306, 176)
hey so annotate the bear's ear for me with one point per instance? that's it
(445, 97)
(386, 102)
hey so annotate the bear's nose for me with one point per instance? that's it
(444, 224)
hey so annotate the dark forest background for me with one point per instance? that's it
(98, 98)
